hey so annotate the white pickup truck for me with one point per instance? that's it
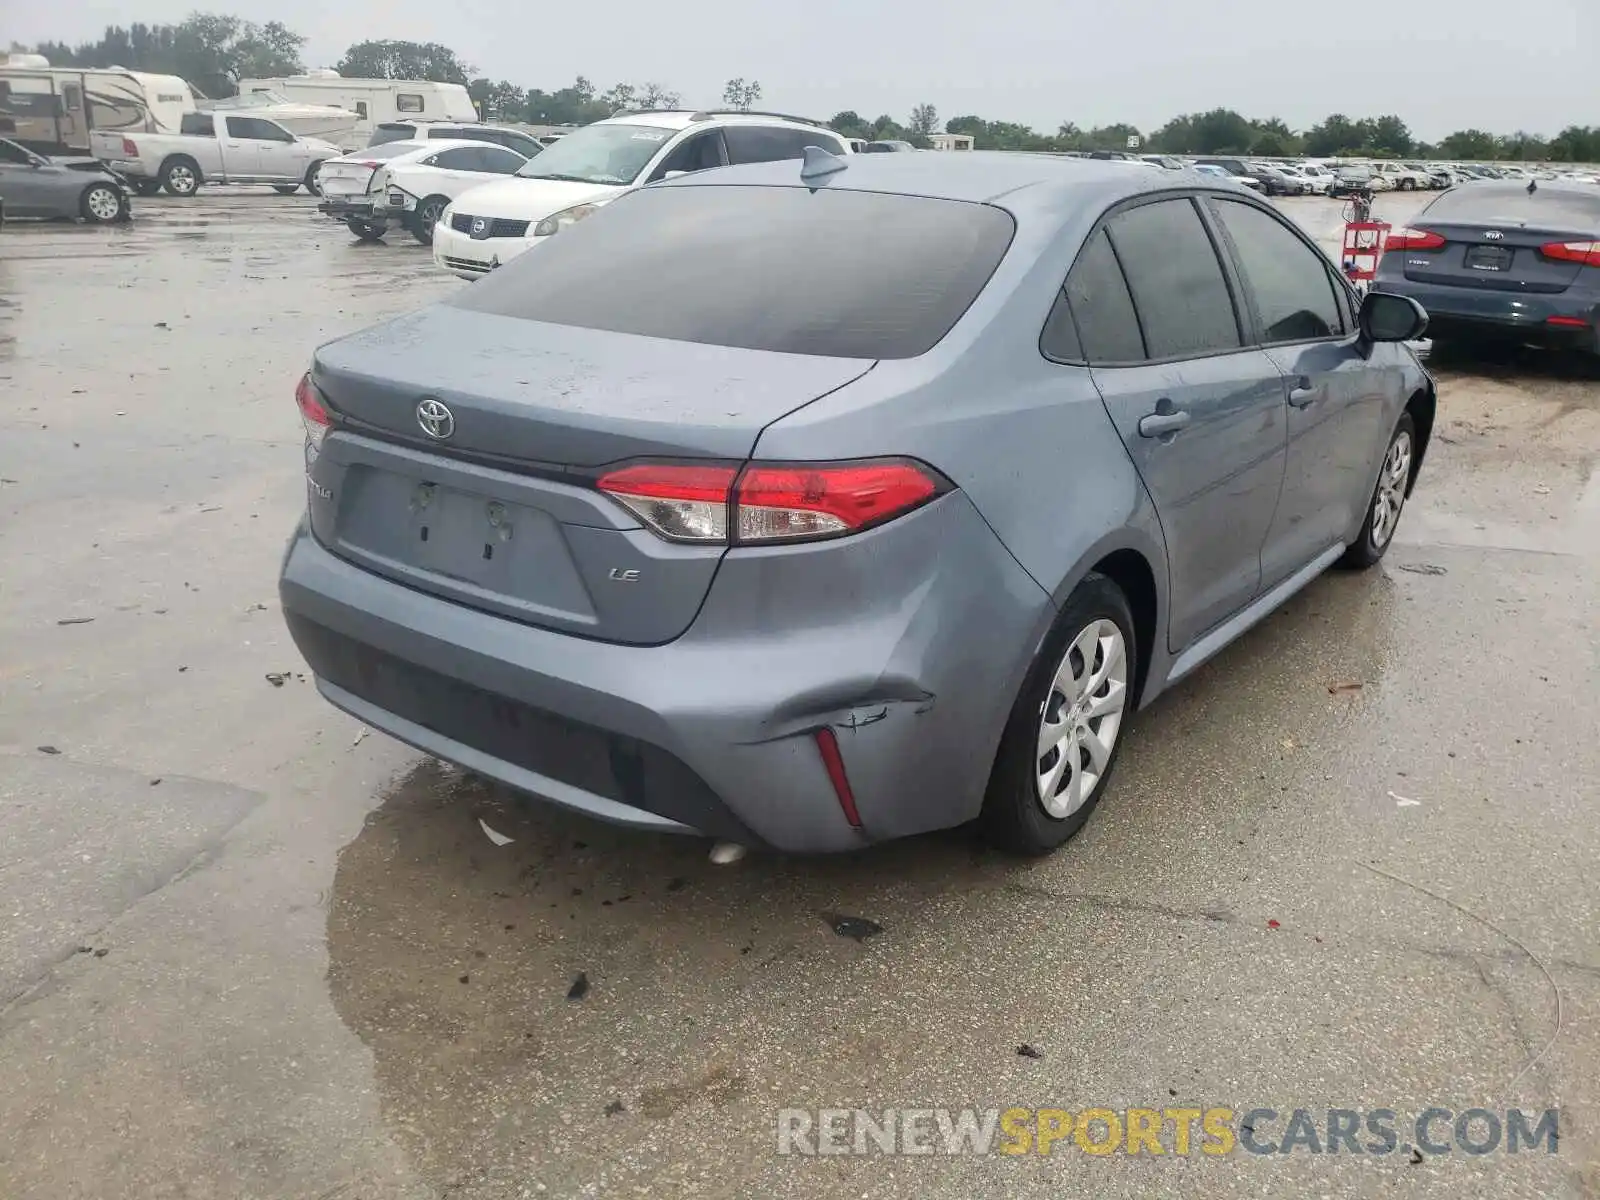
(215, 148)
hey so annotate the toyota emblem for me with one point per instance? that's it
(437, 421)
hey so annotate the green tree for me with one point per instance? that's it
(403, 60)
(1576, 143)
(741, 93)
(1336, 134)
(1388, 135)
(658, 96)
(1470, 144)
(924, 119)
(850, 124)
(576, 104)
(620, 98)
(1109, 137)
(498, 101)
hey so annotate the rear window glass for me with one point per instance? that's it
(839, 273)
(388, 150)
(1511, 204)
(391, 133)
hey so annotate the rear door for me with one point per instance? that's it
(1201, 413)
(775, 143)
(1336, 397)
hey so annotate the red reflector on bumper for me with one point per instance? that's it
(1571, 322)
(833, 761)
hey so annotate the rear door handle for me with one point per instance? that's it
(1161, 422)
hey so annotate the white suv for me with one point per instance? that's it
(489, 225)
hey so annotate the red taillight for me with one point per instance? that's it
(1407, 238)
(833, 763)
(714, 503)
(685, 502)
(312, 412)
(1584, 253)
(1569, 322)
(130, 148)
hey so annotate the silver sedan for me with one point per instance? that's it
(34, 186)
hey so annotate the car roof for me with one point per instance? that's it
(1039, 182)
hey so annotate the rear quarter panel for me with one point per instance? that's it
(1028, 440)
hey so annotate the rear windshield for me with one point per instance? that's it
(388, 150)
(391, 133)
(839, 273)
(1512, 204)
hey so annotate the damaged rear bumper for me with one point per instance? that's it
(908, 641)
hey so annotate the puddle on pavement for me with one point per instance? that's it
(453, 957)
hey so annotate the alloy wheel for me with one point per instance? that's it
(1390, 496)
(1081, 718)
(103, 204)
(181, 180)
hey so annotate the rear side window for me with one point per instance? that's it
(1512, 204)
(460, 158)
(1289, 280)
(1096, 295)
(772, 143)
(839, 273)
(1176, 280)
(198, 125)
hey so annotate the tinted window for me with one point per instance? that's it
(388, 150)
(10, 152)
(758, 143)
(499, 160)
(255, 127)
(1176, 280)
(407, 102)
(462, 158)
(391, 133)
(1101, 306)
(1289, 279)
(1511, 204)
(697, 153)
(832, 272)
(198, 125)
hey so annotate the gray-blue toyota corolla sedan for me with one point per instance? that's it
(810, 506)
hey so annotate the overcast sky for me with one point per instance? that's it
(1440, 64)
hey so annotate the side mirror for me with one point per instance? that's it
(1385, 317)
(36, 162)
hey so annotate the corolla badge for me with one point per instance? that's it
(436, 419)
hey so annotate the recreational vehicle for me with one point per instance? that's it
(52, 110)
(373, 101)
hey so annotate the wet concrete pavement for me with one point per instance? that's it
(320, 977)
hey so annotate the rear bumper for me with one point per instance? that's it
(910, 646)
(1465, 312)
(370, 207)
(466, 256)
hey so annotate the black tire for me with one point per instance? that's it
(147, 187)
(180, 176)
(1014, 817)
(103, 204)
(367, 231)
(1369, 547)
(426, 217)
(310, 181)
(286, 189)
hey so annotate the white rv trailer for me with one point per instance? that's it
(52, 110)
(371, 100)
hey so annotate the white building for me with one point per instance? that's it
(951, 141)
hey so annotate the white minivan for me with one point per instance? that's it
(590, 167)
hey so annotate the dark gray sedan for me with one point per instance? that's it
(1507, 259)
(876, 501)
(34, 186)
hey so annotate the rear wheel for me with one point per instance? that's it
(180, 176)
(1388, 498)
(311, 181)
(103, 204)
(367, 231)
(286, 189)
(426, 217)
(1061, 742)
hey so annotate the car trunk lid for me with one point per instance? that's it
(1504, 257)
(500, 513)
(347, 176)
